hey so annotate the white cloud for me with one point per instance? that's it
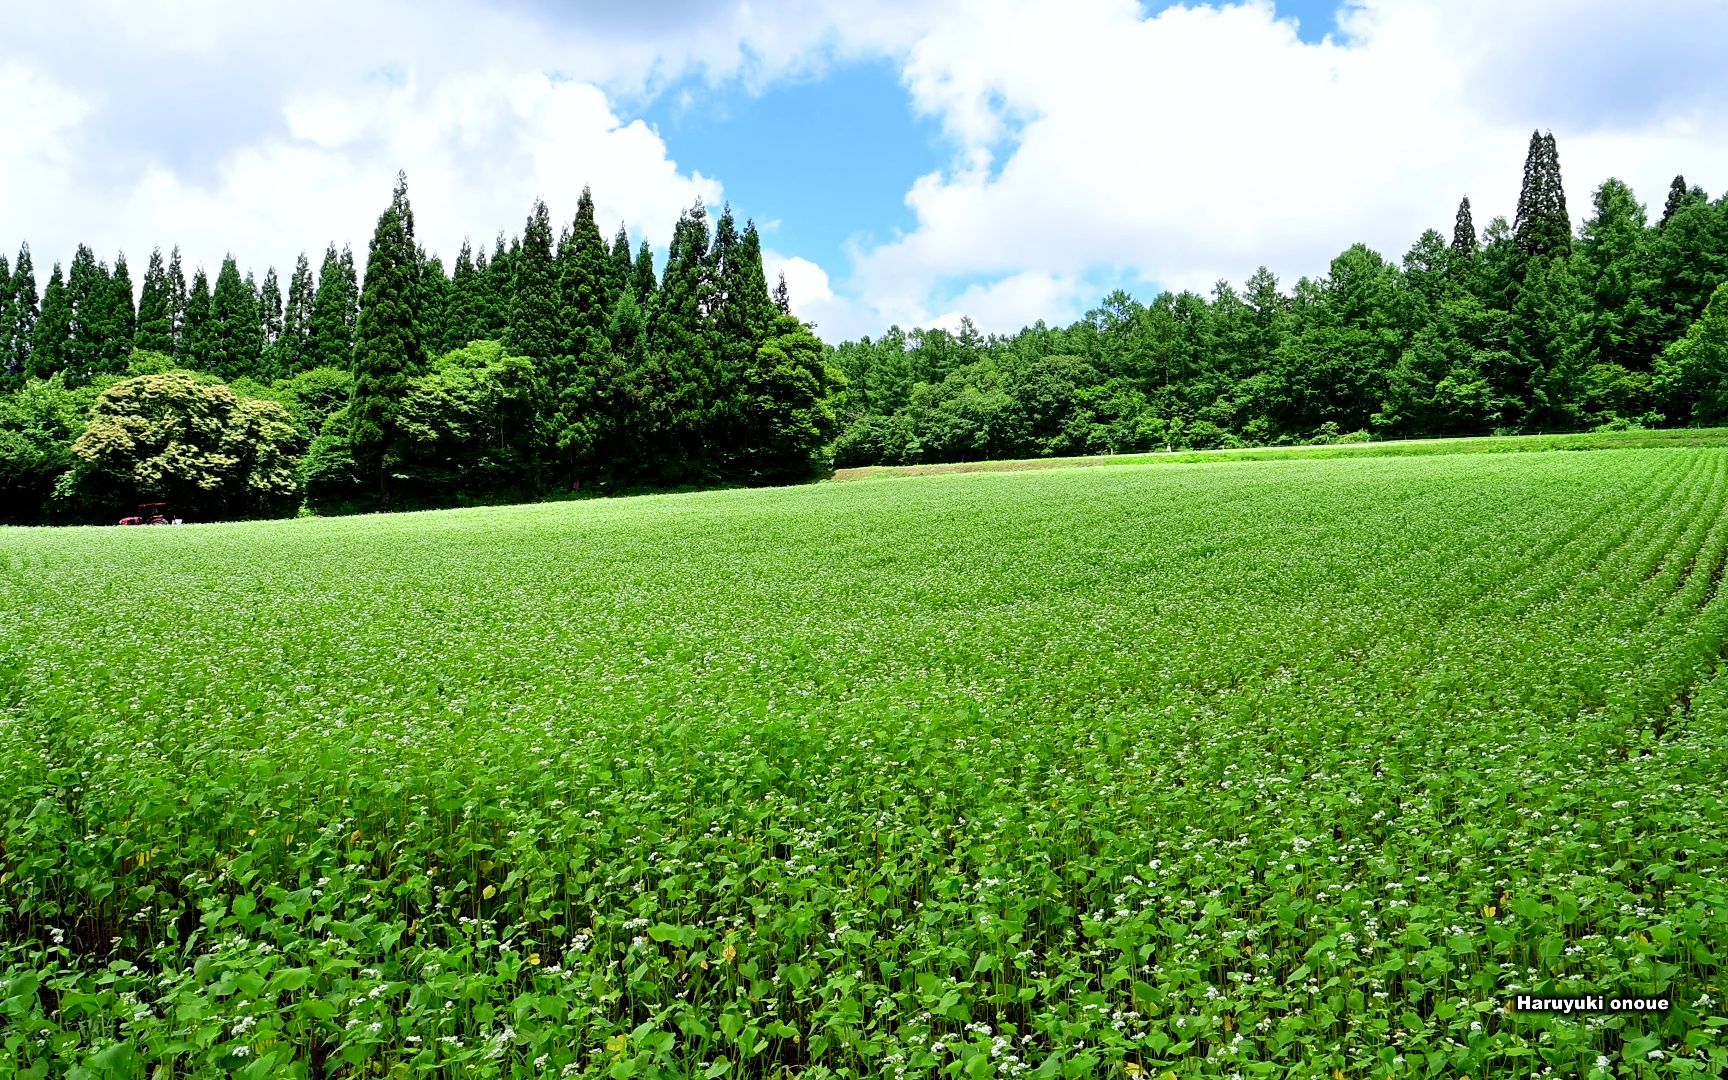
(477, 148)
(1202, 142)
(1091, 142)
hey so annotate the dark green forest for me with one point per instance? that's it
(561, 363)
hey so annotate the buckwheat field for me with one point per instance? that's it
(1280, 768)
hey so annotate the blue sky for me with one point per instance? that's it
(856, 144)
(910, 161)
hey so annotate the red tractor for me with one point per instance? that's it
(156, 513)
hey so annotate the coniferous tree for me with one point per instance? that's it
(155, 312)
(270, 314)
(533, 330)
(434, 333)
(619, 267)
(236, 334)
(351, 281)
(465, 315)
(584, 278)
(581, 377)
(783, 386)
(51, 338)
(294, 347)
(1623, 329)
(1677, 196)
(749, 284)
(1542, 228)
(179, 297)
(193, 348)
(387, 351)
(9, 375)
(1692, 373)
(330, 332)
(125, 313)
(18, 327)
(675, 401)
(1464, 233)
(644, 280)
(87, 302)
(500, 276)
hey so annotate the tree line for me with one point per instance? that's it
(557, 360)
(1525, 326)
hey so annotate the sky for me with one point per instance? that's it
(908, 162)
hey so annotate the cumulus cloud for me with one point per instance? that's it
(1200, 142)
(265, 132)
(1092, 142)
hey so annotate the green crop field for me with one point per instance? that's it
(1279, 768)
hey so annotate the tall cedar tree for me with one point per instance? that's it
(435, 332)
(500, 277)
(270, 321)
(387, 352)
(767, 387)
(236, 337)
(533, 328)
(643, 278)
(1623, 327)
(18, 327)
(330, 333)
(618, 264)
(580, 377)
(584, 278)
(351, 278)
(676, 406)
(125, 312)
(464, 314)
(155, 313)
(9, 376)
(197, 327)
(732, 331)
(294, 348)
(52, 335)
(1464, 233)
(90, 350)
(179, 296)
(1676, 198)
(1542, 228)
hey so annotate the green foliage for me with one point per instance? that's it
(18, 320)
(38, 425)
(533, 293)
(51, 337)
(1464, 233)
(785, 406)
(1692, 374)
(313, 396)
(195, 444)
(294, 346)
(465, 313)
(387, 348)
(197, 332)
(1279, 769)
(335, 312)
(469, 428)
(97, 341)
(155, 311)
(236, 335)
(1543, 228)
